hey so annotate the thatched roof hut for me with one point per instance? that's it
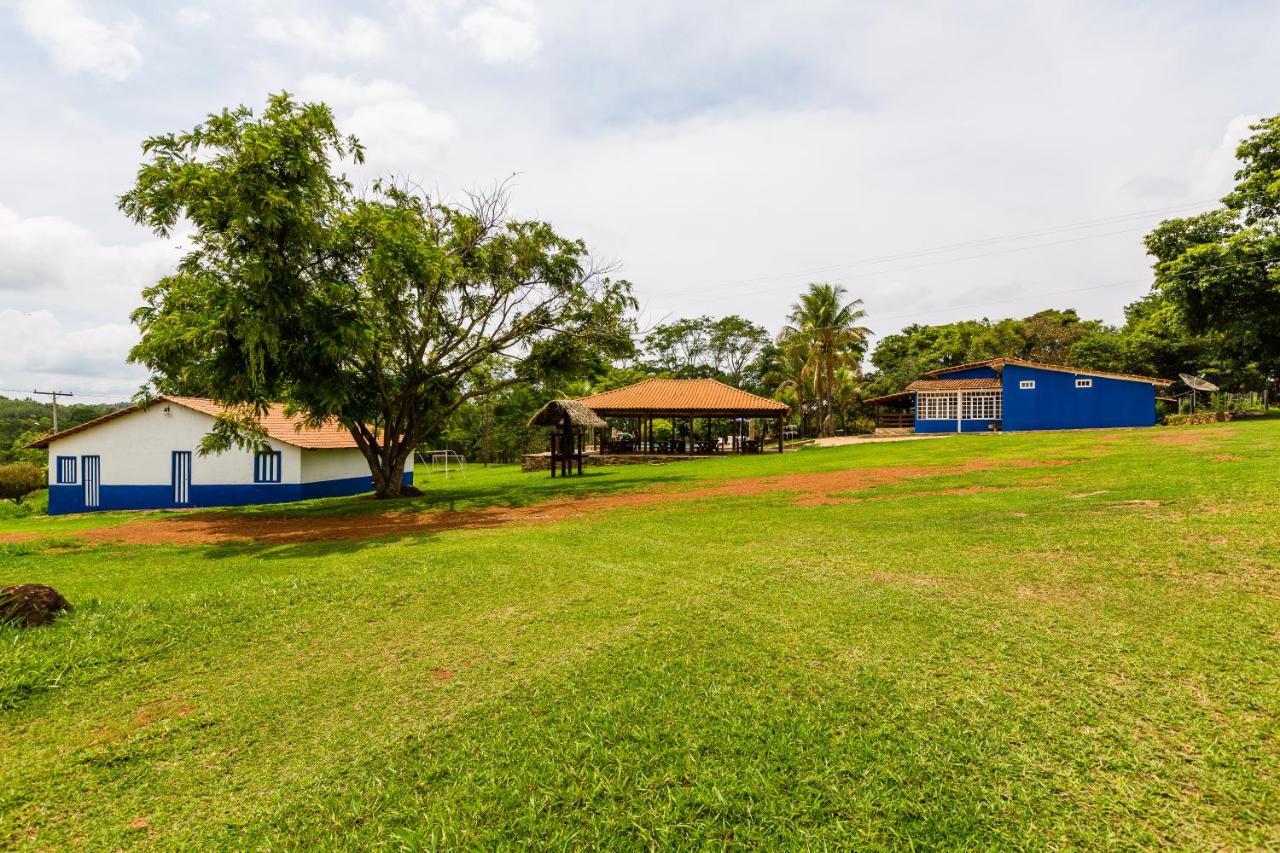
(553, 414)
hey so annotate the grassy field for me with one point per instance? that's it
(1062, 639)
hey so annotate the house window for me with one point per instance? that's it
(935, 406)
(266, 467)
(66, 470)
(1084, 383)
(981, 405)
(1027, 384)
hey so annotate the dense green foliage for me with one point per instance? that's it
(1048, 336)
(23, 421)
(19, 479)
(1011, 657)
(822, 347)
(702, 347)
(1220, 270)
(386, 311)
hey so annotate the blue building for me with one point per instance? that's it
(1012, 394)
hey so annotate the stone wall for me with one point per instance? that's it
(1198, 418)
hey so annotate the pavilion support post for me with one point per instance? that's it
(781, 443)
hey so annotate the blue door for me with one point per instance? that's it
(182, 478)
(91, 476)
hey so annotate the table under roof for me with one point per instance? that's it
(707, 399)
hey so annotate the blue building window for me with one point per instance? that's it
(1084, 383)
(66, 470)
(266, 467)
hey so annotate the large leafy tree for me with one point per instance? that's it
(734, 343)
(826, 327)
(1221, 269)
(386, 311)
(699, 347)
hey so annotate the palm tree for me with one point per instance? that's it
(825, 327)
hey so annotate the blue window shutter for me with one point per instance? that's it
(267, 466)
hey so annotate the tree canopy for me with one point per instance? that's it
(702, 347)
(386, 310)
(824, 342)
(1220, 270)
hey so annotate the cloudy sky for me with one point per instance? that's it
(940, 160)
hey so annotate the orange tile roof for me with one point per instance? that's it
(683, 397)
(953, 384)
(998, 363)
(284, 428)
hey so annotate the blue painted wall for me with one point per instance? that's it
(950, 426)
(65, 499)
(1055, 402)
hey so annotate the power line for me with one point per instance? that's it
(54, 395)
(115, 395)
(969, 244)
(1237, 265)
(946, 262)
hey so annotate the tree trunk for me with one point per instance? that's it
(386, 464)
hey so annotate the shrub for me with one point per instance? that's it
(19, 480)
(863, 426)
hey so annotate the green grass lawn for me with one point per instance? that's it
(1080, 654)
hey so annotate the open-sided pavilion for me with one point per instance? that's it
(708, 400)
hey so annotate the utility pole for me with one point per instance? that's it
(55, 395)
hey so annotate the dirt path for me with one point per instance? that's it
(213, 527)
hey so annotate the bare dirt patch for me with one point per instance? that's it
(1225, 457)
(214, 527)
(1193, 437)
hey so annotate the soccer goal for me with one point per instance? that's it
(444, 462)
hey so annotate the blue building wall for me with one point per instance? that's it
(70, 498)
(950, 426)
(1056, 402)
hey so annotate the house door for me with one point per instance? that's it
(91, 477)
(182, 478)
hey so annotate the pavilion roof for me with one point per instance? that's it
(683, 397)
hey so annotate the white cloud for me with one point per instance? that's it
(1217, 168)
(397, 129)
(40, 350)
(78, 42)
(193, 16)
(501, 33)
(45, 254)
(356, 38)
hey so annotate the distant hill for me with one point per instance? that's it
(22, 421)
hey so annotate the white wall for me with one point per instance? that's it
(318, 465)
(136, 450)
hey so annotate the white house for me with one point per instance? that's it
(138, 458)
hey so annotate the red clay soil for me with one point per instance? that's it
(212, 527)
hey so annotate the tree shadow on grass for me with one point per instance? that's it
(463, 496)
